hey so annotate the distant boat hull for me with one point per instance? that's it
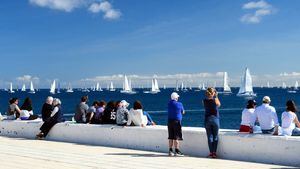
(292, 91)
(128, 92)
(246, 94)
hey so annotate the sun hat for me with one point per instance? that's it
(124, 103)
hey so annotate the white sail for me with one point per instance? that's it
(182, 86)
(284, 85)
(177, 86)
(268, 85)
(111, 87)
(11, 88)
(23, 88)
(127, 88)
(246, 88)
(52, 88)
(98, 87)
(203, 87)
(69, 89)
(296, 85)
(31, 88)
(226, 87)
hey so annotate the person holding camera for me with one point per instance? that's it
(211, 104)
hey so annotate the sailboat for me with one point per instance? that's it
(69, 89)
(127, 86)
(11, 89)
(32, 91)
(177, 87)
(268, 85)
(111, 87)
(294, 90)
(52, 87)
(283, 85)
(154, 87)
(226, 87)
(23, 88)
(203, 87)
(98, 87)
(246, 89)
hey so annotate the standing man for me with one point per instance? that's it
(175, 112)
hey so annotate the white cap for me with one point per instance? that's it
(267, 99)
(174, 96)
(124, 103)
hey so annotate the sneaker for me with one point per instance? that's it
(40, 136)
(171, 153)
(179, 154)
(214, 155)
(210, 155)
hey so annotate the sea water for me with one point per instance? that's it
(156, 104)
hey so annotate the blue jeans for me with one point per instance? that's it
(149, 119)
(212, 125)
(296, 132)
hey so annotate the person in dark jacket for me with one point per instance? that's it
(47, 108)
(109, 114)
(55, 117)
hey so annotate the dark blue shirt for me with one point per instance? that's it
(175, 110)
(211, 108)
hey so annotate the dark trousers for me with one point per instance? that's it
(212, 125)
(48, 124)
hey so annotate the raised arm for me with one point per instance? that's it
(296, 121)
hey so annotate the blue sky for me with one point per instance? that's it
(70, 41)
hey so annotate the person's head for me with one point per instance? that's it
(49, 100)
(210, 92)
(102, 104)
(84, 98)
(124, 104)
(27, 101)
(137, 105)
(291, 106)
(266, 100)
(174, 96)
(118, 104)
(14, 101)
(56, 102)
(95, 104)
(111, 105)
(251, 104)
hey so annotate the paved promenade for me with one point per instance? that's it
(19, 153)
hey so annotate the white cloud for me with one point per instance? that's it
(105, 7)
(94, 6)
(27, 78)
(262, 8)
(64, 5)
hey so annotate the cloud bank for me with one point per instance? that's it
(93, 6)
(260, 10)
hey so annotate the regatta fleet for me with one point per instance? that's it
(245, 88)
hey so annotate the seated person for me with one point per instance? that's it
(97, 117)
(26, 110)
(81, 111)
(47, 108)
(248, 117)
(267, 117)
(138, 117)
(290, 121)
(55, 117)
(122, 113)
(13, 109)
(109, 114)
(91, 111)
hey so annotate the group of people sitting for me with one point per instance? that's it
(267, 118)
(112, 113)
(25, 112)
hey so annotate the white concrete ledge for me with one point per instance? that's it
(232, 145)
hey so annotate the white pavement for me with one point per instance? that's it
(20, 153)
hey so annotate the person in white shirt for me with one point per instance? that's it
(289, 120)
(267, 117)
(136, 115)
(248, 117)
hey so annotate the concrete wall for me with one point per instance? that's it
(245, 147)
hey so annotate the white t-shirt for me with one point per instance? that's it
(26, 113)
(288, 125)
(248, 117)
(267, 116)
(137, 117)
